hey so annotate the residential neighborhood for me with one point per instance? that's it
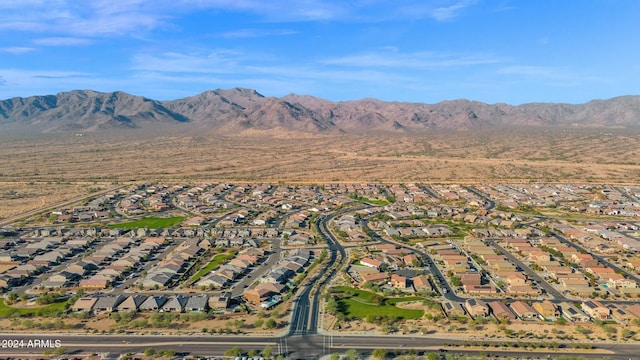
(513, 253)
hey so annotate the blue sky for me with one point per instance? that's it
(512, 51)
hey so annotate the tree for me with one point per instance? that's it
(12, 297)
(258, 323)
(149, 352)
(334, 356)
(252, 353)
(377, 299)
(379, 354)
(234, 351)
(351, 354)
(332, 306)
(433, 356)
(267, 352)
(271, 324)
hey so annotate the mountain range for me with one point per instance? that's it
(238, 109)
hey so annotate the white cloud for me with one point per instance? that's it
(89, 18)
(62, 41)
(254, 33)
(422, 9)
(17, 50)
(215, 62)
(416, 60)
(552, 76)
(20, 82)
(449, 12)
(539, 72)
(128, 17)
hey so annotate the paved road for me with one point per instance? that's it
(437, 274)
(430, 191)
(601, 259)
(305, 308)
(489, 203)
(295, 347)
(239, 288)
(530, 273)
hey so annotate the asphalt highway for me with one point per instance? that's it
(294, 347)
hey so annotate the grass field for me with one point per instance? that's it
(361, 304)
(150, 222)
(217, 260)
(48, 310)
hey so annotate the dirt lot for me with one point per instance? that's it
(39, 170)
(536, 154)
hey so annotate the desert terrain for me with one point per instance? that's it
(39, 169)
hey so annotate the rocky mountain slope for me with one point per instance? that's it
(238, 109)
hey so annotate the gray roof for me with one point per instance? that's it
(132, 302)
(197, 303)
(108, 302)
(154, 302)
(175, 303)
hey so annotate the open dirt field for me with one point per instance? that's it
(39, 169)
(20, 197)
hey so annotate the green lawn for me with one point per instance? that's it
(361, 294)
(217, 260)
(392, 301)
(47, 310)
(150, 222)
(360, 304)
(357, 309)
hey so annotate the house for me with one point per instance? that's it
(175, 303)
(634, 309)
(453, 309)
(197, 303)
(132, 303)
(421, 283)
(108, 303)
(523, 310)
(376, 277)
(84, 304)
(372, 263)
(411, 260)
(618, 281)
(620, 314)
(596, 310)
(220, 302)
(501, 311)
(82, 267)
(476, 308)
(153, 303)
(546, 309)
(158, 279)
(517, 279)
(213, 281)
(61, 279)
(471, 279)
(572, 313)
(399, 281)
(95, 283)
(480, 289)
(258, 295)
